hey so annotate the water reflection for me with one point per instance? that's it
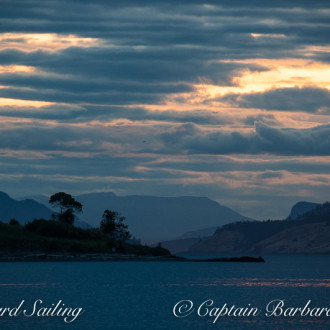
(266, 282)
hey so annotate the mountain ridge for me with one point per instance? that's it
(308, 233)
(156, 218)
(153, 218)
(301, 208)
(23, 211)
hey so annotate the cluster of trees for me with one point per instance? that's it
(112, 223)
(59, 235)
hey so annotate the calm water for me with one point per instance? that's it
(141, 295)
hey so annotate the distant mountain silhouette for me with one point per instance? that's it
(308, 233)
(204, 232)
(184, 242)
(42, 199)
(26, 209)
(23, 211)
(301, 208)
(157, 218)
(182, 245)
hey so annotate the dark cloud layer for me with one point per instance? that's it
(99, 134)
(73, 114)
(153, 49)
(184, 138)
(264, 140)
(293, 99)
(109, 76)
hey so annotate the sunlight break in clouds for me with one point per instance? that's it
(281, 73)
(6, 102)
(227, 101)
(30, 42)
(16, 69)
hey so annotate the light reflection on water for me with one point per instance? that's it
(21, 285)
(206, 282)
(264, 282)
(141, 295)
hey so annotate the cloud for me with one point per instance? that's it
(263, 140)
(124, 109)
(270, 175)
(113, 76)
(72, 113)
(268, 119)
(188, 138)
(110, 53)
(306, 99)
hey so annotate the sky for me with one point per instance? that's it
(224, 99)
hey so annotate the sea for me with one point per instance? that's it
(167, 295)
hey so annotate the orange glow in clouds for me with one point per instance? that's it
(29, 42)
(16, 69)
(281, 74)
(4, 102)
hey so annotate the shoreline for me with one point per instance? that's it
(45, 257)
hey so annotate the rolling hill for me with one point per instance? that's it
(301, 208)
(308, 233)
(23, 211)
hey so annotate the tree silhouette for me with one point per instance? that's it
(14, 222)
(67, 206)
(113, 226)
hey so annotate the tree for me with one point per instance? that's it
(67, 217)
(67, 206)
(113, 226)
(14, 222)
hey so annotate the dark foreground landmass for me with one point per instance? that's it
(52, 238)
(84, 257)
(234, 259)
(54, 241)
(114, 257)
(45, 240)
